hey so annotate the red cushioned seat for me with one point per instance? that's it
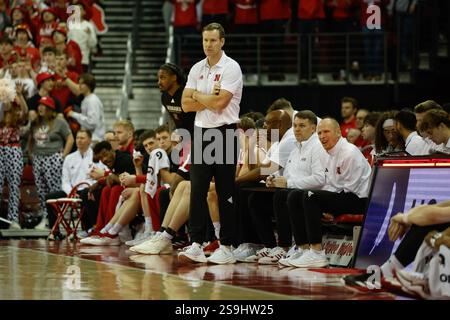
(343, 218)
(350, 218)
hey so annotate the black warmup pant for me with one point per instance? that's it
(308, 212)
(294, 203)
(260, 208)
(264, 205)
(407, 250)
(164, 200)
(222, 167)
(283, 221)
(245, 230)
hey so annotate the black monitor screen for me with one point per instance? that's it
(397, 189)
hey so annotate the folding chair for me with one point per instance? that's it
(69, 211)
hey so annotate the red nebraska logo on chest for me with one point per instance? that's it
(217, 77)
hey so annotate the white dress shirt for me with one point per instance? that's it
(347, 170)
(305, 168)
(202, 78)
(446, 147)
(76, 168)
(436, 147)
(415, 145)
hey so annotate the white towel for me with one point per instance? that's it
(158, 160)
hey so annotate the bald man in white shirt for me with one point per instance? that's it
(302, 170)
(76, 169)
(347, 177)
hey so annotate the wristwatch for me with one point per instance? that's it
(433, 239)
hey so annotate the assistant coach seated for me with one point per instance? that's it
(347, 176)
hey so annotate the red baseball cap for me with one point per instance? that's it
(43, 76)
(48, 102)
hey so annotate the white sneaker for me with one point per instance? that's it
(161, 245)
(292, 250)
(145, 243)
(88, 240)
(106, 240)
(310, 259)
(413, 283)
(192, 253)
(140, 238)
(275, 254)
(244, 251)
(43, 225)
(285, 262)
(241, 247)
(223, 255)
(264, 252)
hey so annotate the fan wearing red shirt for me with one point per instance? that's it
(215, 11)
(24, 45)
(48, 23)
(185, 23)
(360, 118)
(7, 53)
(60, 8)
(18, 15)
(274, 15)
(349, 106)
(310, 15)
(342, 14)
(245, 16)
(62, 92)
(373, 40)
(185, 16)
(71, 48)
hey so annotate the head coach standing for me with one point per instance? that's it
(213, 90)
